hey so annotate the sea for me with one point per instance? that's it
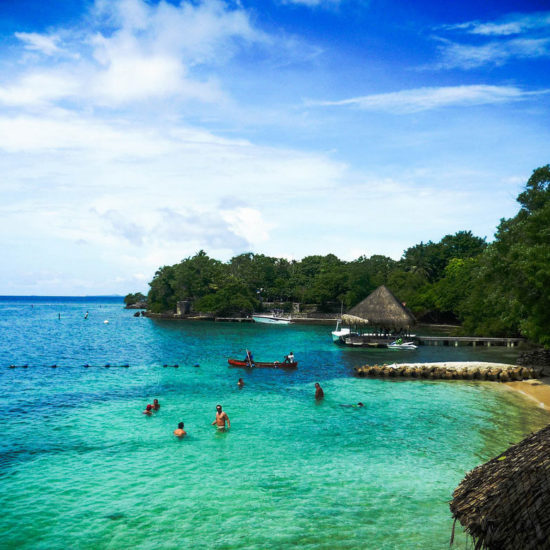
(81, 466)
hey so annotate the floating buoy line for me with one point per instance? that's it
(88, 366)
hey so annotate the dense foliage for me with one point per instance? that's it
(131, 299)
(497, 289)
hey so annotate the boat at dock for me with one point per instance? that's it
(399, 344)
(272, 319)
(262, 364)
(340, 333)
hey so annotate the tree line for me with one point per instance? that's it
(493, 289)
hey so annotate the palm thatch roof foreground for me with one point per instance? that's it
(505, 503)
(384, 310)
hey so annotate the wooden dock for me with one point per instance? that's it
(473, 341)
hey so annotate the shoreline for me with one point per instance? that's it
(534, 389)
(537, 390)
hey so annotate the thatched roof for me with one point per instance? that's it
(505, 503)
(354, 320)
(384, 310)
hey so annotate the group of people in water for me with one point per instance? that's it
(221, 421)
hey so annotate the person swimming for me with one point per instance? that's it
(179, 431)
(148, 410)
(240, 383)
(156, 404)
(359, 405)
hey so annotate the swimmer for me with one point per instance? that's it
(156, 405)
(359, 405)
(148, 410)
(319, 393)
(221, 419)
(179, 431)
(240, 383)
(86, 315)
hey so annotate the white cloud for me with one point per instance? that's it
(146, 52)
(516, 36)
(46, 44)
(424, 99)
(313, 3)
(466, 56)
(506, 26)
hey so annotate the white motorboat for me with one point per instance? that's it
(272, 319)
(399, 344)
(339, 333)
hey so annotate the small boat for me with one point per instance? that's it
(261, 364)
(398, 344)
(272, 319)
(339, 334)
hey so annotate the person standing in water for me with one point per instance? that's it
(179, 431)
(319, 393)
(240, 383)
(221, 419)
(156, 405)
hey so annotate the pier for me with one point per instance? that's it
(473, 341)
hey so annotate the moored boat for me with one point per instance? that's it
(399, 344)
(340, 333)
(272, 319)
(262, 364)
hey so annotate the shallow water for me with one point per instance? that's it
(81, 467)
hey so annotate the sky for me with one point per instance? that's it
(135, 133)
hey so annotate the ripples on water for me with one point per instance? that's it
(81, 467)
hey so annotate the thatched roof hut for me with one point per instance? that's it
(505, 503)
(383, 310)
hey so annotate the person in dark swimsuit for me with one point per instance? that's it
(319, 393)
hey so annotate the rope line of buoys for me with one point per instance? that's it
(432, 372)
(106, 366)
(88, 366)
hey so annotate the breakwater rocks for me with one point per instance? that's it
(538, 358)
(450, 371)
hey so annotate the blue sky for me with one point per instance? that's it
(133, 133)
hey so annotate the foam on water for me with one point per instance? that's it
(81, 467)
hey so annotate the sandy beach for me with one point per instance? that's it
(537, 390)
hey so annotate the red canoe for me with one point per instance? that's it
(262, 365)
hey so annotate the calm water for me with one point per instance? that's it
(81, 467)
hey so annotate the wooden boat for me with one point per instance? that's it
(262, 364)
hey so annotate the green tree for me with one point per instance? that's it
(131, 299)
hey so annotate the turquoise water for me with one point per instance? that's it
(81, 467)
